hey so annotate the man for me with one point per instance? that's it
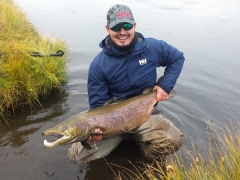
(125, 67)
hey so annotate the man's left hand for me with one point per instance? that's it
(161, 94)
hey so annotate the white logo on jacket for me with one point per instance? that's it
(142, 61)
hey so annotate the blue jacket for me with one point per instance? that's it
(121, 75)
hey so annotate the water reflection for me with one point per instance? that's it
(17, 138)
(18, 131)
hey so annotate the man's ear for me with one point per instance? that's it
(107, 29)
(135, 24)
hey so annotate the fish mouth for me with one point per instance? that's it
(62, 139)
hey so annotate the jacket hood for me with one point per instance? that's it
(108, 49)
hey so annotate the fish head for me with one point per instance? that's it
(66, 133)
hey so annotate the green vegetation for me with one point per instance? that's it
(221, 161)
(25, 79)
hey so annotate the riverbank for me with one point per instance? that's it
(26, 77)
(220, 160)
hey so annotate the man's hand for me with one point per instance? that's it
(161, 94)
(95, 138)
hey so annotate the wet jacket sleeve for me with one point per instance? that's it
(97, 87)
(173, 60)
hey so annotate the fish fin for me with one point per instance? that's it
(156, 112)
(86, 144)
(147, 90)
(111, 101)
(81, 155)
(172, 93)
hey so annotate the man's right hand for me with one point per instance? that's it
(161, 94)
(95, 138)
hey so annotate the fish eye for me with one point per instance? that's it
(64, 128)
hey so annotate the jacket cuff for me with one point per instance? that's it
(166, 89)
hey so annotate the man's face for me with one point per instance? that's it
(123, 37)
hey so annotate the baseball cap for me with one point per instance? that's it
(118, 14)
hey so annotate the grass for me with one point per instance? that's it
(25, 79)
(220, 161)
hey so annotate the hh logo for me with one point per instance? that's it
(142, 61)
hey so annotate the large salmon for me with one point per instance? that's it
(112, 119)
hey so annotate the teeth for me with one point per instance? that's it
(47, 144)
(122, 37)
(55, 143)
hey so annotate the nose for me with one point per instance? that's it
(122, 30)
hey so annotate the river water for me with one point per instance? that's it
(207, 31)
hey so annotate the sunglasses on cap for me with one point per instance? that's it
(125, 26)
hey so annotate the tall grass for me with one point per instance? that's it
(24, 78)
(220, 161)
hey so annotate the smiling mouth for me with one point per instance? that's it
(122, 38)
